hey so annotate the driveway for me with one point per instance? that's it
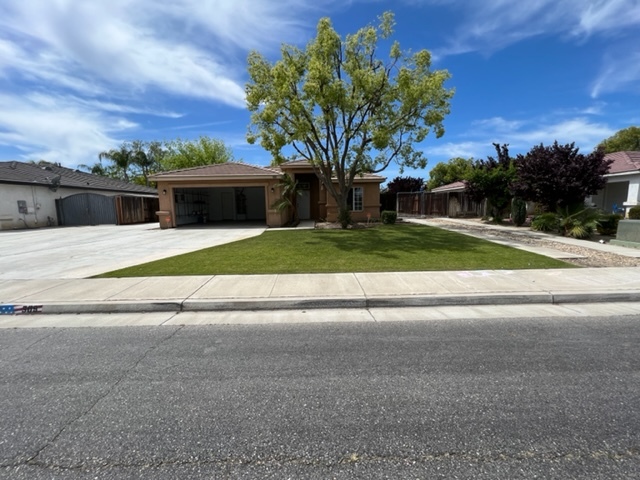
(79, 252)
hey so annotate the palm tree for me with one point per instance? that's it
(289, 198)
(122, 158)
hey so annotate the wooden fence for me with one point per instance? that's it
(445, 204)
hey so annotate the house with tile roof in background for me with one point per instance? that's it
(239, 192)
(39, 195)
(623, 183)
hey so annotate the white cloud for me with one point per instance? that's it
(491, 25)
(101, 62)
(463, 149)
(619, 72)
(57, 129)
(522, 135)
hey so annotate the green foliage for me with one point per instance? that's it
(518, 211)
(405, 184)
(444, 173)
(634, 213)
(608, 224)
(491, 179)
(344, 217)
(624, 140)
(558, 176)
(135, 161)
(389, 217)
(289, 197)
(195, 153)
(546, 222)
(342, 108)
(580, 224)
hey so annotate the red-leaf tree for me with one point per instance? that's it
(558, 176)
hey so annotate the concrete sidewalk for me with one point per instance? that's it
(322, 291)
(225, 293)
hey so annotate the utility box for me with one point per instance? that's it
(22, 207)
(165, 219)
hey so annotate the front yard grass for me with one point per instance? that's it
(384, 248)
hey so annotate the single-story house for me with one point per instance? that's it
(37, 195)
(236, 192)
(449, 200)
(623, 183)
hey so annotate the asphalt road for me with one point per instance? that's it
(543, 398)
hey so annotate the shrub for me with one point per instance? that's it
(634, 213)
(580, 224)
(608, 224)
(518, 211)
(388, 217)
(546, 222)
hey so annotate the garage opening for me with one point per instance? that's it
(219, 204)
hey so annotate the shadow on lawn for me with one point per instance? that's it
(385, 241)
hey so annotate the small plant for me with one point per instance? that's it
(546, 222)
(580, 224)
(518, 211)
(608, 224)
(634, 213)
(389, 217)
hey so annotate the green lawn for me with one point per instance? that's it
(385, 248)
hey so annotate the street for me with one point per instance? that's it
(483, 398)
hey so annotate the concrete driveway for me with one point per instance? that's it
(80, 252)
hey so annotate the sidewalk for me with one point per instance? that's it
(226, 293)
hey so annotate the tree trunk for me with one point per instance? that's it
(344, 213)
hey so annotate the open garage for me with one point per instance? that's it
(226, 192)
(215, 204)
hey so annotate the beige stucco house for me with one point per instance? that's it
(238, 192)
(623, 183)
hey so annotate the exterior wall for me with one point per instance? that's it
(622, 191)
(214, 209)
(370, 204)
(41, 204)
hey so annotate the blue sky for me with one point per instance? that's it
(79, 77)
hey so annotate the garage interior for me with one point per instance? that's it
(219, 204)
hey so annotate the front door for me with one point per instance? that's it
(304, 205)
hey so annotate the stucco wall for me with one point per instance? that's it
(41, 205)
(370, 204)
(259, 195)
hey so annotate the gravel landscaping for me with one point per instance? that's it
(592, 257)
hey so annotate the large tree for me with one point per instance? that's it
(455, 170)
(195, 153)
(558, 176)
(625, 140)
(343, 109)
(405, 184)
(491, 179)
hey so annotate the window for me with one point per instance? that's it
(355, 199)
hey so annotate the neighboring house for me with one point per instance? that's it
(623, 183)
(237, 192)
(34, 195)
(449, 200)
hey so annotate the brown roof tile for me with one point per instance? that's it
(624, 162)
(221, 170)
(449, 187)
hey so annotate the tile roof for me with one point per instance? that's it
(450, 187)
(305, 163)
(221, 170)
(624, 162)
(31, 174)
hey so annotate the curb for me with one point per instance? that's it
(300, 303)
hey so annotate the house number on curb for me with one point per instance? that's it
(17, 309)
